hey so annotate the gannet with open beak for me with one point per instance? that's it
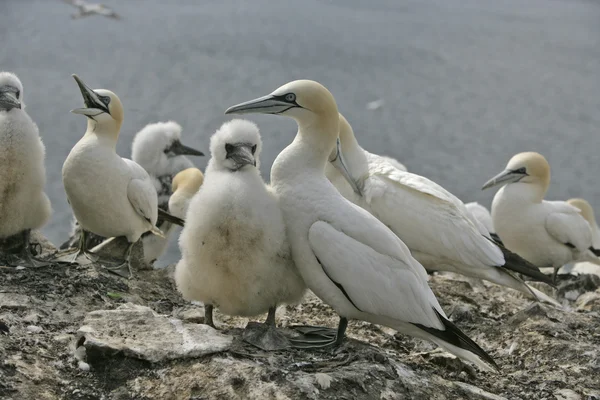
(346, 256)
(435, 225)
(185, 185)
(546, 233)
(235, 255)
(23, 204)
(584, 267)
(110, 196)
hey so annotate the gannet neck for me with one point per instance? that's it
(523, 193)
(354, 155)
(587, 212)
(107, 131)
(318, 135)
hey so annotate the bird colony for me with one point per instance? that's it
(355, 228)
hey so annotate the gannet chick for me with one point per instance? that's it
(110, 196)
(158, 149)
(235, 255)
(185, 185)
(435, 225)
(546, 233)
(347, 257)
(23, 204)
(584, 267)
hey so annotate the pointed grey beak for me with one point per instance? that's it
(504, 177)
(339, 163)
(93, 105)
(8, 98)
(241, 155)
(179, 149)
(263, 105)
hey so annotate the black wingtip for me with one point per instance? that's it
(496, 238)
(453, 335)
(516, 263)
(595, 251)
(165, 216)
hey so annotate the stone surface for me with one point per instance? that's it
(139, 332)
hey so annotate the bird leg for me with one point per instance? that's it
(316, 337)
(71, 255)
(123, 268)
(208, 315)
(265, 336)
(26, 255)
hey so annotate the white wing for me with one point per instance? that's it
(565, 224)
(426, 217)
(482, 215)
(375, 282)
(392, 161)
(141, 193)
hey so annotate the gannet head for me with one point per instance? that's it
(303, 100)
(11, 92)
(157, 148)
(528, 167)
(336, 158)
(101, 106)
(235, 145)
(586, 209)
(188, 181)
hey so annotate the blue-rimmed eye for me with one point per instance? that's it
(290, 97)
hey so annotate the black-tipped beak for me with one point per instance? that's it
(269, 104)
(8, 98)
(504, 177)
(93, 105)
(241, 155)
(179, 149)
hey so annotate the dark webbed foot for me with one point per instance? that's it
(316, 337)
(265, 336)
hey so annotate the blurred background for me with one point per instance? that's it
(451, 88)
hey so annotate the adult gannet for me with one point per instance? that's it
(86, 9)
(395, 163)
(585, 267)
(110, 196)
(23, 204)
(546, 233)
(158, 149)
(435, 225)
(235, 255)
(347, 257)
(185, 185)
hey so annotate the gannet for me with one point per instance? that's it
(23, 204)
(435, 225)
(110, 196)
(395, 163)
(86, 9)
(546, 233)
(347, 257)
(158, 149)
(235, 255)
(185, 185)
(584, 267)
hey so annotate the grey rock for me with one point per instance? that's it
(139, 332)
(14, 301)
(115, 248)
(195, 315)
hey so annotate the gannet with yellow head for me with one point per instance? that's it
(110, 196)
(185, 185)
(347, 257)
(546, 233)
(23, 203)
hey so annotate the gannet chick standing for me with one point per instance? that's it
(435, 225)
(347, 257)
(585, 267)
(546, 233)
(235, 255)
(110, 196)
(23, 204)
(185, 185)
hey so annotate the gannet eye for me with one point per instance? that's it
(253, 149)
(18, 93)
(290, 97)
(228, 148)
(521, 170)
(105, 100)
